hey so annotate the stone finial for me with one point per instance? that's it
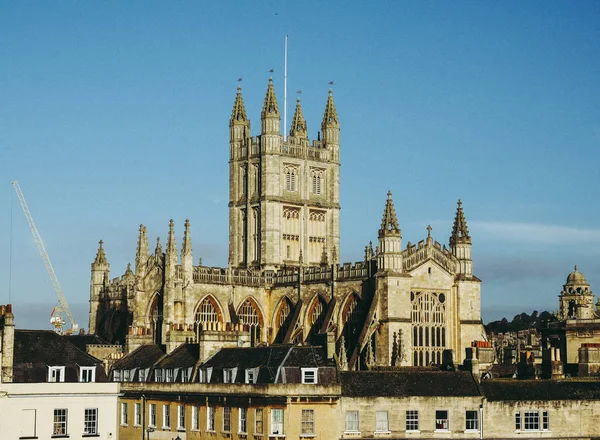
(298, 128)
(171, 246)
(429, 228)
(324, 257)
(389, 222)
(342, 356)
(270, 106)
(394, 359)
(186, 248)
(238, 114)
(158, 251)
(330, 117)
(142, 251)
(100, 256)
(460, 231)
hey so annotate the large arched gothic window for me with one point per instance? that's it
(154, 319)
(250, 316)
(208, 313)
(428, 327)
(283, 316)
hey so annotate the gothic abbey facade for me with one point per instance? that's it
(284, 282)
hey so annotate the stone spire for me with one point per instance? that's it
(331, 125)
(389, 256)
(100, 256)
(171, 245)
(142, 253)
(330, 117)
(389, 222)
(186, 248)
(270, 116)
(460, 243)
(298, 128)
(158, 251)
(460, 232)
(238, 114)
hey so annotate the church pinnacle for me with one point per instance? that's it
(238, 114)
(460, 232)
(100, 256)
(330, 117)
(270, 106)
(298, 127)
(187, 240)
(171, 246)
(389, 222)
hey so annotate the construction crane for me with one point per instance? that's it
(62, 308)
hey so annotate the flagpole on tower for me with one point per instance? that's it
(285, 89)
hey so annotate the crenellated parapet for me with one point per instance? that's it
(414, 255)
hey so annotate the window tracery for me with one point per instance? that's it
(428, 327)
(250, 316)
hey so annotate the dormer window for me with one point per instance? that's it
(56, 374)
(309, 375)
(229, 375)
(143, 375)
(169, 375)
(158, 375)
(126, 376)
(87, 374)
(117, 376)
(251, 375)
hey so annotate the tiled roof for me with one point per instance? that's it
(144, 356)
(530, 390)
(403, 383)
(35, 350)
(81, 341)
(184, 356)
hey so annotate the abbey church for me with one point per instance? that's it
(284, 284)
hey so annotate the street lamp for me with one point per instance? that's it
(149, 430)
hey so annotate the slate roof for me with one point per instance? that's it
(35, 350)
(308, 357)
(533, 390)
(81, 341)
(404, 383)
(144, 356)
(248, 357)
(184, 356)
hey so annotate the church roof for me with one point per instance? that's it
(408, 382)
(145, 356)
(184, 356)
(460, 231)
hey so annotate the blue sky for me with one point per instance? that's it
(114, 114)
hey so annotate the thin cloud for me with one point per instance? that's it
(534, 232)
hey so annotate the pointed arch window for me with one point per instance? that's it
(250, 316)
(291, 178)
(208, 313)
(317, 176)
(428, 327)
(351, 321)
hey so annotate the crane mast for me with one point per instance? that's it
(62, 308)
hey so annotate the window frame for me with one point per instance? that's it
(474, 421)
(226, 419)
(210, 419)
(440, 420)
(60, 427)
(307, 426)
(92, 422)
(137, 414)
(180, 417)
(258, 420)
(152, 415)
(195, 418)
(518, 421)
(242, 420)
(277, 423)
(545, 420)
(166, 419)
(56, 374)
(124, 410)
(531, 420)
(85, 371)
(412, 420)
(307, 372)
(352, 421)
(380, 420)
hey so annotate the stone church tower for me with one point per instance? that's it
(284, 195)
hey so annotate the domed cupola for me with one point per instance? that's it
(576, 298)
